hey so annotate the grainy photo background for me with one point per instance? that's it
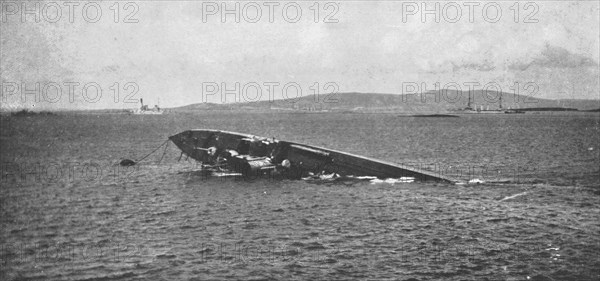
(428, 84)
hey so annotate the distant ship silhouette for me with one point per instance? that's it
(500, 110)
(145, 110)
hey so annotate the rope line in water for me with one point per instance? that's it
(128, 162)
(152, 151)
(164, 152)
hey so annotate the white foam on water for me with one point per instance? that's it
(476, 181)
(365, 177)
(393, 181)
(224, 174)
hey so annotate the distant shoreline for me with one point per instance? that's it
(354, 102)
(450, 114)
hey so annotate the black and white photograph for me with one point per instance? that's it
(299, 140)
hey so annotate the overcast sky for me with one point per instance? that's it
(175, 52)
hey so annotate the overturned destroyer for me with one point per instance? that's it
(254, 156)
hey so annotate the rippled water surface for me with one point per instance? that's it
(69, 213)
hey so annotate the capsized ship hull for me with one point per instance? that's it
(252, 155)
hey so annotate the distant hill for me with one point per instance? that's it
(430, 102)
